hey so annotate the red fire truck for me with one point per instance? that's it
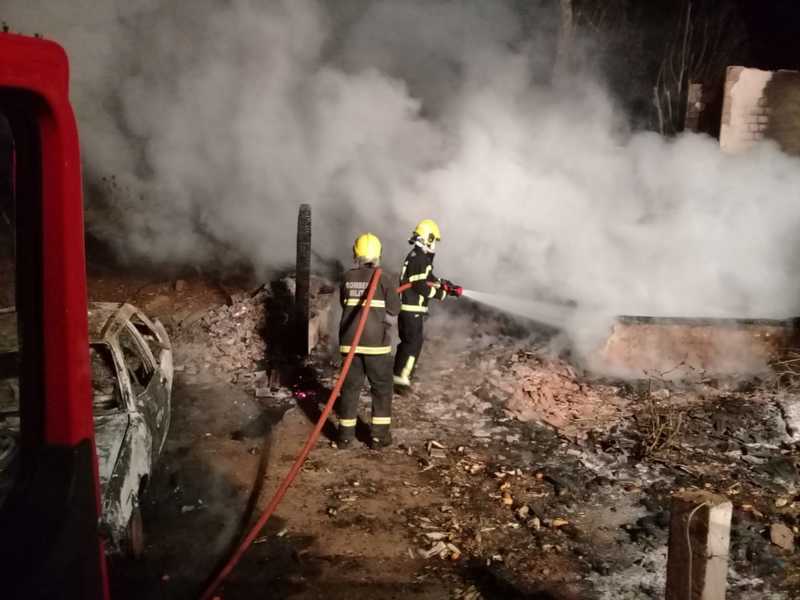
(49, 542)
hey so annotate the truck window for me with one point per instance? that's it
(7, 222)
(9, 385)
(9, 335)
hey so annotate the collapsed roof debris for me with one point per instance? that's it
(238, 339)
(549, 391)
(231, 337)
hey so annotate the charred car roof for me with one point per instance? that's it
(105, 321)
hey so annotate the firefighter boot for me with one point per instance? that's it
(346, 434)
(342, 443)
(384, 441)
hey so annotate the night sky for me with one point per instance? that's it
(774, 28)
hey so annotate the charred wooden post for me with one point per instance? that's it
(694, 107)
(699, 536)
(302, 302)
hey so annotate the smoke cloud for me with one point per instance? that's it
(218, 118)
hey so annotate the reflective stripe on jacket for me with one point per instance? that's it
(418, 271)
(376, 338)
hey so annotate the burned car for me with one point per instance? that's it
(131, 364)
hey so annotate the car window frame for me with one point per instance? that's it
(124, 391)
(145, 354)
(160, 343)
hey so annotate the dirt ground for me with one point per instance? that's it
(477, 498)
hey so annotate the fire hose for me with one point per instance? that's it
(449, 287)
(298, 463)
(313, 436)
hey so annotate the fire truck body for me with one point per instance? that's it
(49, 521)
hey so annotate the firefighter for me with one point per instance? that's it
(419, 286)
(373, 356)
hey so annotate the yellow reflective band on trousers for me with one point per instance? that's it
(347, 422)
(413, 308)
(357, 302)
(367, 349)
(381, 420)
(408, 367)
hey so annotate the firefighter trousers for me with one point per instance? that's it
(378, 370)
(410, 327)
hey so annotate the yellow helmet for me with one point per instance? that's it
(367, 248)
(428, 230)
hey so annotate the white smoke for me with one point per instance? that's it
(219, 118)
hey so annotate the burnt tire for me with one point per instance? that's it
(302, 297)
(136, 532)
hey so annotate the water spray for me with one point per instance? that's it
(549, 313)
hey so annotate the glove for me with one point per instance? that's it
(451, 289)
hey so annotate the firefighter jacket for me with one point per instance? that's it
(376, 338)
(418, 271)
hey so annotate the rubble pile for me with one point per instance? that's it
(595, 516)
(236, 340)
(237, 332)
(549, 391)
(228, 340)
(506, 516)
(562, 492)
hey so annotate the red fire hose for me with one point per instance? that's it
(312, 439)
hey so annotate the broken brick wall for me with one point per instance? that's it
(782, 96)
(676, 348)
(760, 105)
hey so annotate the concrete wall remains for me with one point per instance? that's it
(760, 105)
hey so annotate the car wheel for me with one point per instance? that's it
(136, 532)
